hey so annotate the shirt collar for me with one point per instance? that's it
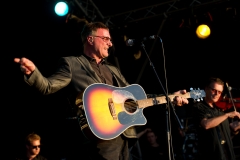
(93, 59)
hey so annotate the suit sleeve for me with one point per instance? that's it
(55, 82)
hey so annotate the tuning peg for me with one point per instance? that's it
(201, 99)
(191, 89)
(198, 100)
(198, 88)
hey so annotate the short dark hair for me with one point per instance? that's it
(89, 28)
(32, 137)
(214, 80)
(151, 131)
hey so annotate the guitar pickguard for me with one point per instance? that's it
(135, 119)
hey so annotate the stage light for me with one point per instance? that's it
(203, 31)
(61, 8)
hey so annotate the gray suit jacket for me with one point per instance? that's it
(76, 74)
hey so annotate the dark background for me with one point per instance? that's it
(31, 29)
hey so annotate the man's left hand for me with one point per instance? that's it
(178, 100)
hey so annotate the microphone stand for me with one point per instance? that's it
(167, 112)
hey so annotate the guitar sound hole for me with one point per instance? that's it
(130, 106)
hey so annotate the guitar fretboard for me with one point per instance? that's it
(143, 103)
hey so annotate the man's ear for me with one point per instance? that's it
(90, 40)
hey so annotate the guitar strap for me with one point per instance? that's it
(116, 75)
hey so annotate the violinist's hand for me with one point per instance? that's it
(233, 114)
(26, 66)
(178, 100)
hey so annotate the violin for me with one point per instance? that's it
(225, 103)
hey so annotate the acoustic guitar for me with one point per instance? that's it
(110, 110)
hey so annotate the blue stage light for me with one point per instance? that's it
(61, 8)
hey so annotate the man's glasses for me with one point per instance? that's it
(35, 147)
(105, 39)
(215, 91)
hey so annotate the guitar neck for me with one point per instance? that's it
(143, 103)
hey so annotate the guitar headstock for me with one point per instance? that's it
(197, 94)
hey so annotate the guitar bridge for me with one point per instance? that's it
(112, 108)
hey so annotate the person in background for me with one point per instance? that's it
(154, 149)
(213, 129)
(33, 145)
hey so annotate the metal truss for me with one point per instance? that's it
(166, 8)
(89, 9)
(161, 9)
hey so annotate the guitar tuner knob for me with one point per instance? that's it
(198, 88)
(191, 89)
(198, 100)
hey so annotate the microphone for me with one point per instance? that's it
(233, 89)
(131, 42)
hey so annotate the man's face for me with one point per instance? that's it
(34, 147)
(101, 42)
(151, 138)
(213, 92)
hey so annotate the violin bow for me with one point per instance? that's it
(231, 97)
